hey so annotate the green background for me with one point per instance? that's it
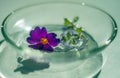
(111, 67)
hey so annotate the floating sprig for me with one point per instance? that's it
(71, 34)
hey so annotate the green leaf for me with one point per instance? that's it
(76, 36)
(68, 35)
(67, 22)
(79, 30)
(75, 19)
(64, 39)
(72, 41)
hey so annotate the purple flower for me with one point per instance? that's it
(41, 40)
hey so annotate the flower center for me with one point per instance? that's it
(44, 41)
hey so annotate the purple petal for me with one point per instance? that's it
(53, 34)
(48, 48)
(37, 46)
(32, 41)
(52, 40)
(43, 32)
(35, 34)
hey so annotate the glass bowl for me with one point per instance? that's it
(99, 31)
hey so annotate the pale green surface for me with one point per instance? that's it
(111, 68)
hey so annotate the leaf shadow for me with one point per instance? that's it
(29, 65)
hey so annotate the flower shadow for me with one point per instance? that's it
(29, 65)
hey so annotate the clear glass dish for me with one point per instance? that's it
(99, 27)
